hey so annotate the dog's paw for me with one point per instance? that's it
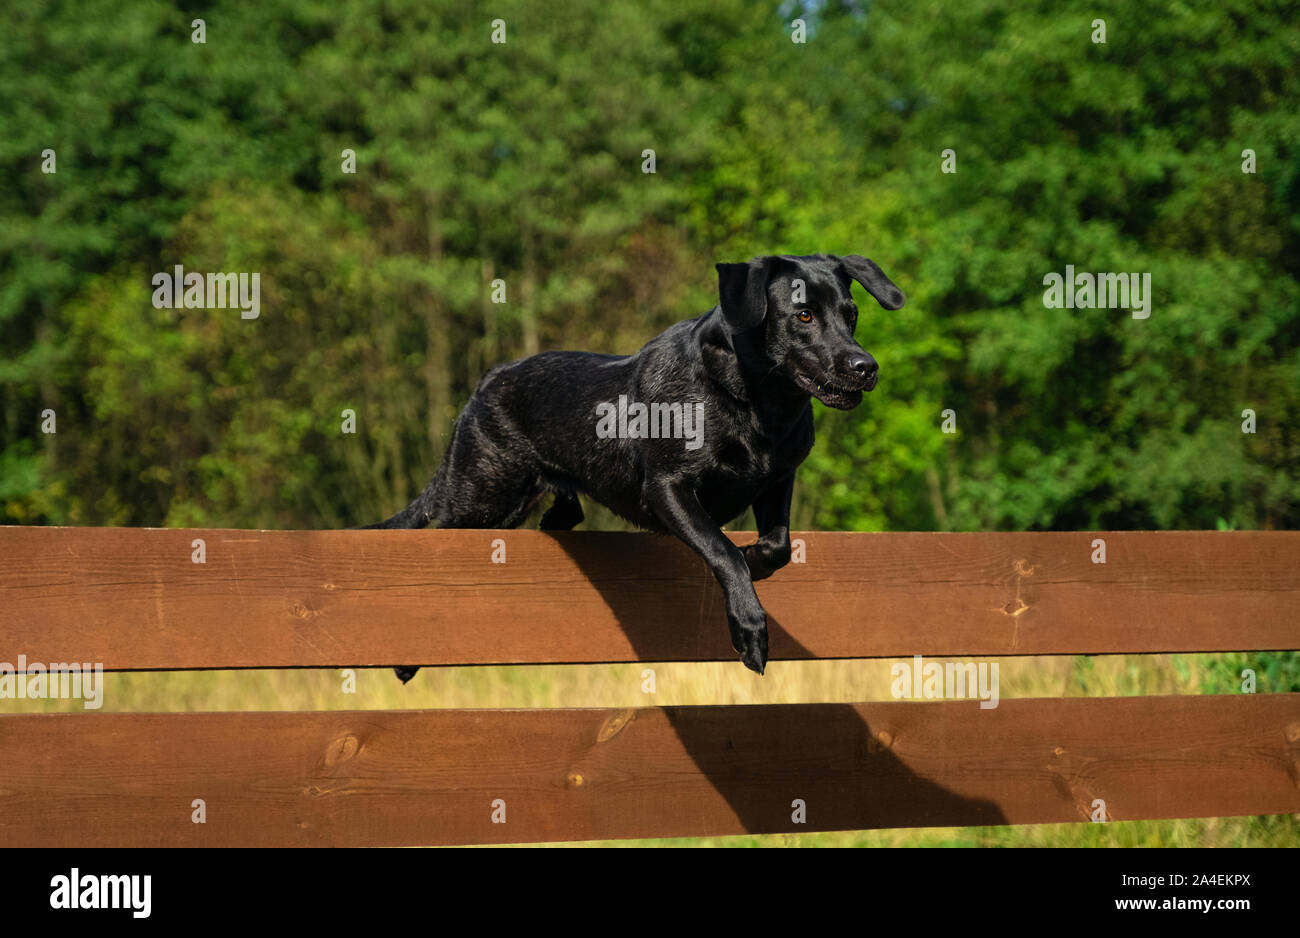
(755, 656)
(763, 560)
(750, 642)
(758, 568)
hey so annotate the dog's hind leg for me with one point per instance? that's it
(483, 499)
(489, 477)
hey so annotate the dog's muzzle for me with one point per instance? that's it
(836, 391)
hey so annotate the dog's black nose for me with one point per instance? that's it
(863, 365)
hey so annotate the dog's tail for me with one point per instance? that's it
(418, 514)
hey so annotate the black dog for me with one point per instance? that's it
(713, 415)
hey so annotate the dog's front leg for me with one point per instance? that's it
(679, 510)
(771, 551)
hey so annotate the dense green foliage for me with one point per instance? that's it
(523, 161)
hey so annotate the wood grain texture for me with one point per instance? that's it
(430, 777)
(132, 598)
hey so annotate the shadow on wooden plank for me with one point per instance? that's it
(841, 770)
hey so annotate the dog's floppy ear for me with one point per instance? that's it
(742, 291)
(866, 272)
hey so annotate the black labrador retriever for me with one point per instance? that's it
(711, 416)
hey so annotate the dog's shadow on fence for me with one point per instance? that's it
(824, 755)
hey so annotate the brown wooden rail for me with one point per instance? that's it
(133, 598)
(432, 777)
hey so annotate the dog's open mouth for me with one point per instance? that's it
(833, 393)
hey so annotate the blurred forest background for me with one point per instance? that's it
(523, 161)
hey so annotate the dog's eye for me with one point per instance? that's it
(804, 315)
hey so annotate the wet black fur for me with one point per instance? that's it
(530, 426)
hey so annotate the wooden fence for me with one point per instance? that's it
(134, 599)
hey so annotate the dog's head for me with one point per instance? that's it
(800, 312)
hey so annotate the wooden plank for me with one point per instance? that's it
(132, 598)
(431, 777)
